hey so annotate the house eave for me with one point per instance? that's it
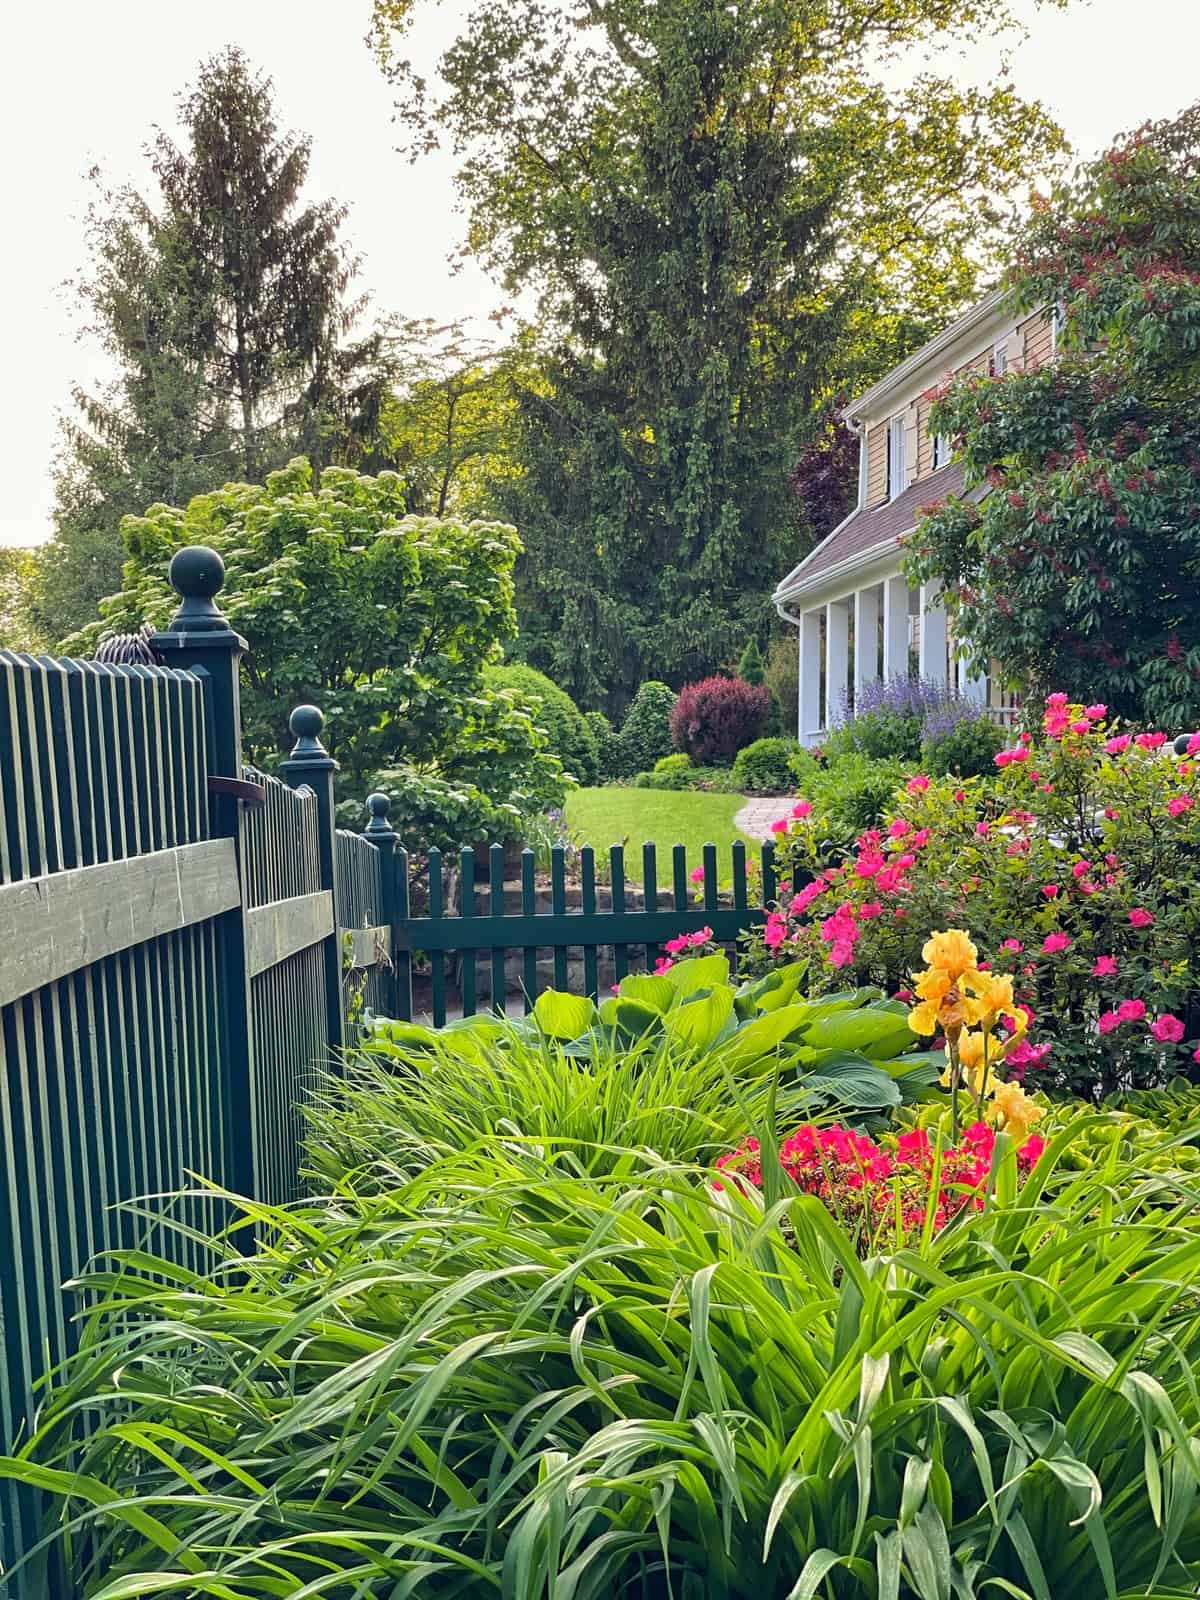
(875, 399)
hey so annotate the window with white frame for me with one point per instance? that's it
(999, 365)
(897, 476)
(941, 450)
(1058, 319)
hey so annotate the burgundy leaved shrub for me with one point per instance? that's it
(714, 718)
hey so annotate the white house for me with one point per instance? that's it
(858, 619)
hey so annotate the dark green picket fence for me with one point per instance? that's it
(182, 942)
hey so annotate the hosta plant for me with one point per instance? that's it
(678, 1064)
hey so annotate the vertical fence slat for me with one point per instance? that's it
(616, 865)
(528, 909)
(558, 908)
(466, 910)
(496, 910)
(437, 960)
(587, 867)
(650, 892)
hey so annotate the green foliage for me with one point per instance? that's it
(765, 767)
(966, 748)
(725, 215)
(18, 588)
(400, 1389)
(645, 734)
(718, 780)
(570, 738)
(605, 736)
(677, 761)
(384, 621)
(782, 676)
(221, 302)
(849, 793)
(751, 665)
(1081, 570)
(674, 1064)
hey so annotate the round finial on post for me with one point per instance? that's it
(378, 806)
(196, 575)
(306, 723)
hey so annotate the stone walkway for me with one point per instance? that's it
(756, 816)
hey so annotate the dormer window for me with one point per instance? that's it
(897, 476)
(941, 450)
(1058, 321)
(998, 365)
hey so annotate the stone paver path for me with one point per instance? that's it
(756, 816)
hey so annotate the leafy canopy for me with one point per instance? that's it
(1081, 569)
(723, 215)
(384, 621)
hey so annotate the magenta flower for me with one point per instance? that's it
(701, 936)
(802, 808)
(1054, 942)
(1131, 1010)
(1081, 869)
(1151, 741)
(1167, 1029)
(1013, 944)
(1139, 917)
(1193, 745)
(1096, 712)
(1117, 745)
(1179, 803)
(982, 829)
(697, 874)
(1108, 1021)
(780, 825)
(1105, 967)
(917, 785)
(1050, 890)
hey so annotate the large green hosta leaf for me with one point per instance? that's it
(876, 1030)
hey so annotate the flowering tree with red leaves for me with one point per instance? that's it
(1081, 567)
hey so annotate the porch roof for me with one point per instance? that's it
(871, 527)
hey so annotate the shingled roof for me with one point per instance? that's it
(873, 525)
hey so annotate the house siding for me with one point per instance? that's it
(1039, 340)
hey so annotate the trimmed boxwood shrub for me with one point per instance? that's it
(715, 717)
(645, 734)
(569, 734)
(605, 736)
(765, 767)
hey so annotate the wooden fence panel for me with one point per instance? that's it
(289, 914)
(111, 1046)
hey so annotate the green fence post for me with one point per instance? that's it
(312, 765)
(383, 836)
(199, 639)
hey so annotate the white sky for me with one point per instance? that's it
(82, 83)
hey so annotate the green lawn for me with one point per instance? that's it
(666, 817)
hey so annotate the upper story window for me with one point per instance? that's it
(897, 478)
(1058, 320)
(998, 365)
(941, 450)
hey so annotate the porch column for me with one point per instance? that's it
(934, 637)
(866, 639)
(837, 659)
(810, 676)
(895, 628)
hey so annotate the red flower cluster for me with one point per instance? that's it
(867, 1186)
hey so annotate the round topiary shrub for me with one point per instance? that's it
(765, 767)
(569, 734)
(714, 718)
(646, 732)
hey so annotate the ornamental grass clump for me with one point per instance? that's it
(510, 1381)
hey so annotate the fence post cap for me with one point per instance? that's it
(196, 574)
(378, 827)
(306, 723)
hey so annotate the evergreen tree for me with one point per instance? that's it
(725, 216)
(222, 304)
(751, 667)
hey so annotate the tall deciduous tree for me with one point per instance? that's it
(223, 303)
(1080, 571)
(724, 214)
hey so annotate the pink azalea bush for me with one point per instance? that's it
(1077, 864)
(883, 1192)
